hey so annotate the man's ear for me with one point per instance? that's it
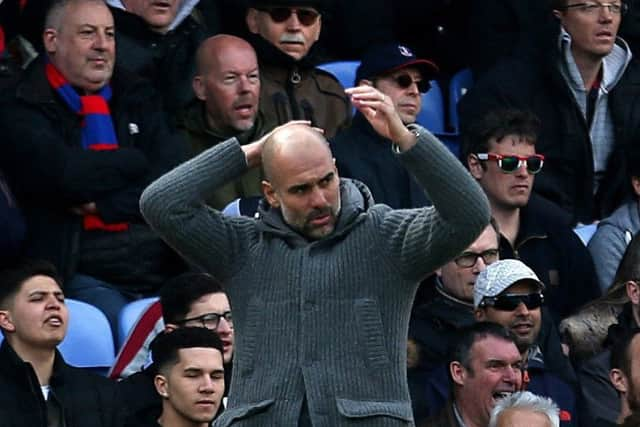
(458, 373)
(170, 327)
(160, 382)
(50, 40)
(633, 292)
(198, 87)
(319, 28)
(252, 20)
(6, 323)
(270, 194)
(365, 82)
(619, 380)
(635, 183)
(479, 315)
(475, 166)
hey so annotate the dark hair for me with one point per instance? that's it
(165, 346)
(621, 352)
(180, 292)
(460, 350)
(498, 124)
(12, 278)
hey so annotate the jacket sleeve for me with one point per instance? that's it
(42, 166)
(607, 247)
(421, 240)
(174, 205)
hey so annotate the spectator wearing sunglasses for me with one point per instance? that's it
(500, 152)
(583, 90)
(360, 152)
(509, 293)
(283, 33)
(188, 300)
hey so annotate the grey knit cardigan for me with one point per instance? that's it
(325, 319)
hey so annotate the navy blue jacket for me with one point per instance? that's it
(364, 155)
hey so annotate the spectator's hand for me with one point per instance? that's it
(85, 209)
(379, 110)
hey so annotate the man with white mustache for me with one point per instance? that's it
(39, 389)
(283, 33)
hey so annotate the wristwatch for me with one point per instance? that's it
(414, 129)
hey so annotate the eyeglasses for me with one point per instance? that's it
(469, 259)
(210, 320)
(592, 8)
(307, 17)
(509, 302)
(511, 163)
(405, 80)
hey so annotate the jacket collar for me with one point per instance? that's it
(355, 199)
(271, 55)
(12, 365)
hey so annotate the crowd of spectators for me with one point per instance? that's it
(102, 99)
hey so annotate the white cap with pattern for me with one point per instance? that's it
(499, 276)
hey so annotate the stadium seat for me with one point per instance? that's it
(89, 340)
(344, 71)
(129, 315)
(586, 232)
(460, 83)
(432, 114)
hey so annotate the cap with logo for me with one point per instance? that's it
(388, 57)
(499, 276)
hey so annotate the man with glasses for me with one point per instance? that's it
(283, 33)
(363, 154)
(509, 293)
(188, 300)
(584, 90)
(500, 152)
(448, 308)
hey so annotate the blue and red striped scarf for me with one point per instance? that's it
(97, 129)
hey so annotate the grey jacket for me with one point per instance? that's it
(608, 244)
(326, 319)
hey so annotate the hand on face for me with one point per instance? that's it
(379, 110)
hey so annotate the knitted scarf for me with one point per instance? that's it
(97, 129)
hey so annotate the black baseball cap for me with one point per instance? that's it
(388, 57)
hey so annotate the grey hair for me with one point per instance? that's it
(527, 401)
(57, 9)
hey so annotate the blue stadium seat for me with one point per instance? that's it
(460, 83)
(344, 71)
(89, 340)
(586, 232)
(129, 315)
(432, 114)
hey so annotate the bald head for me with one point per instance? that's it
(212, 51)
(302, 180)
(228, 82)
(290, 144)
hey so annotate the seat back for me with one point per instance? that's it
(129, 316)
(89, 339)
(344, 71)
(432, 114)
(460, 83)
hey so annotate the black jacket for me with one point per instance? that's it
(364, 155)
(546, 243)
(49, 172)
(564, 140)
(167, 60)
(87, 400)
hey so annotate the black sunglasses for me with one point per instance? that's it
(210, 320)
(509, 302)
(405, 80)
(307, 17)
(511, 163)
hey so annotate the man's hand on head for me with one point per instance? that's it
(253, 151)
(379, 110)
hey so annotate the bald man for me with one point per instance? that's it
(227, 88)
(321, 281)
